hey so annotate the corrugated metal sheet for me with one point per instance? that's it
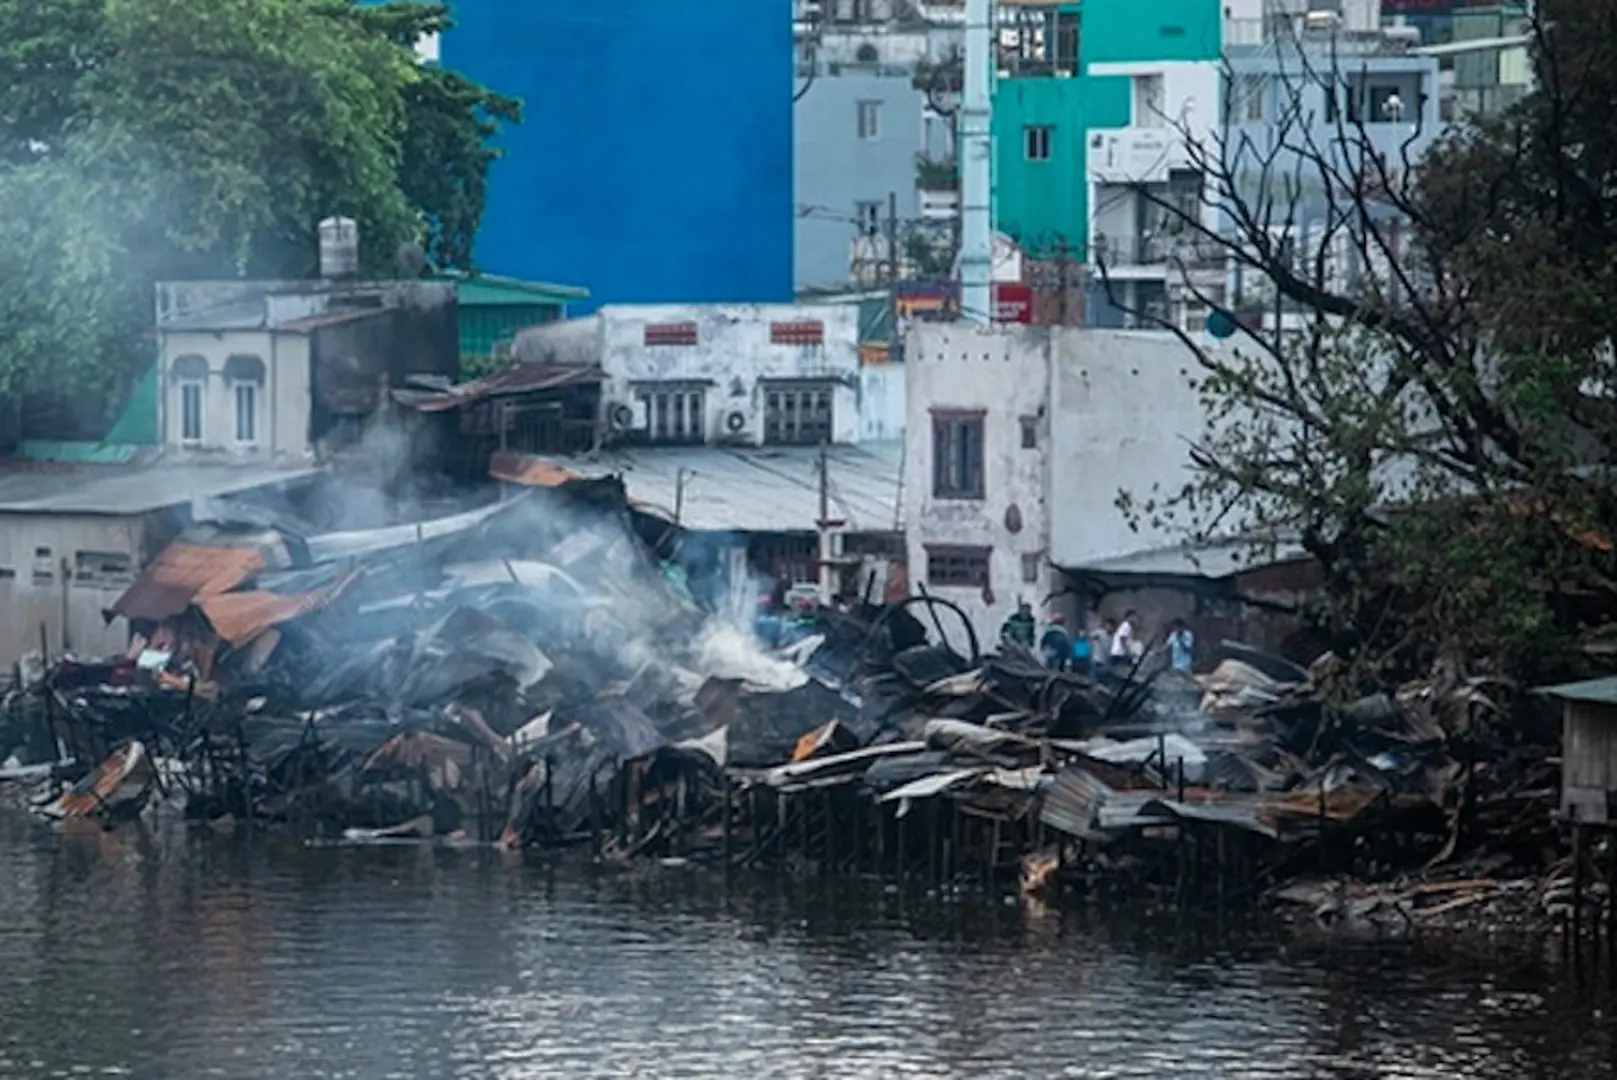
(183, 573)
(518, 379)
(239, 617)
(528, 470)
(763, 490)
(1213, 560)
(1072, 802)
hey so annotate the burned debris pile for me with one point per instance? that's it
(536, 674)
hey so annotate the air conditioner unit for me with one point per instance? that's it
(1322, 22)
(735, 424)
(628, 415)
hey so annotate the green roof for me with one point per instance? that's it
(1597, 691)
(491, 290)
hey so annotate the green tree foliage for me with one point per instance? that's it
(151, 139)
(1437, 428)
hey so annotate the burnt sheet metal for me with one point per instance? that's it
(765, 726)
(903, 766)
(929, 786)
(1072, 803)
(528, 470)
(1245, 814)
(181, 574)
(852, 761)
(240, 617)
(530, 378)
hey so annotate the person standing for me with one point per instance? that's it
(1019, 627)
(1181, 646)
(1121, 653)
(1056, 644)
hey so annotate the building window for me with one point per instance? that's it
(1030, 568)
(676, 415)
(103, 569)
(245, 374)
(1249, 106)
(957, 566)
(44, 569)
(868, 215)
(1036, 142)
(807, 332)
(869, 120)
(191, 375)
(190, 411)
(246, 412)
(1030, 433)
(797, 415)
(957, 455)
(1150, 101)
(680, 333)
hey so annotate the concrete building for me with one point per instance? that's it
(1132, 169)
(858, 144)
(656, 161)
(1385, 99)
(266, 369)
(1018, 442)
(72, 542)
(760, 375)
(1050, 95)
(491, 309)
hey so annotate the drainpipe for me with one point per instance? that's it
(976, 175)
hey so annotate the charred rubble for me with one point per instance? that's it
(536, 674)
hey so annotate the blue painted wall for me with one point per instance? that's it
(655, 160)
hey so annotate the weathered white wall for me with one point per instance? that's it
(284, 400)
(732, 357)
(1116, 410)
(37, 544)
(1004, 371)
(881, 402)
(1127, 414)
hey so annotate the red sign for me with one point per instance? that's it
(1013, 302)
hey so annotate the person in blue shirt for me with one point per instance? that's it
(1181, 646)
(1056, 644)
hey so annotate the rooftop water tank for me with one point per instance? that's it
(339, 248)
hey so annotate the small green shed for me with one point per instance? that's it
(494, 308)
(1588, 750)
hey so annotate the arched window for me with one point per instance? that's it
(190, 374)
(246, 377)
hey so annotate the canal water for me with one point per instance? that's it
(180, 956)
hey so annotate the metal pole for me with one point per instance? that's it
(976, 166)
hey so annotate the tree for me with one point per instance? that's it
(1427, 402)
(151, 139)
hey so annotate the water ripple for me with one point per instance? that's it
(177, 956)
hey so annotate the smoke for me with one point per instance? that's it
(564, 569)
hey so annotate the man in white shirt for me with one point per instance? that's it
(1122, 650)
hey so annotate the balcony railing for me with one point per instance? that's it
(1192, 252)
(936, 175)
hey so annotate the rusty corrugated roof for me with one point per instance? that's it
(239, 617)
(183, 573)
(528, 470)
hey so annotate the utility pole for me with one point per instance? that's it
(1061, 283)
(976, 166)
(825, 525)
(892, 238)
(892, 276)
(679, 495)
